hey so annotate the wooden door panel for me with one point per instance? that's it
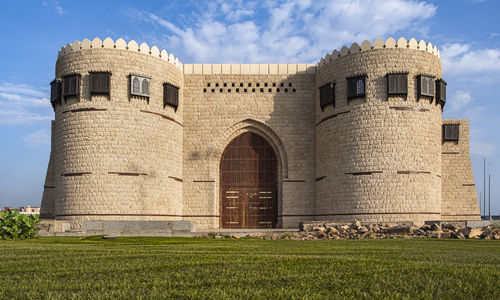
(249, 183)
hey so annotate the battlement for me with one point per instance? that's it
(390, 43)
(251, 69)
(120, 44)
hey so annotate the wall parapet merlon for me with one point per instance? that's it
(250, 69)
(120, 44)
(390, 43)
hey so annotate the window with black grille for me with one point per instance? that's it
(139, 85)
(356, 87)
(397, 84)
(450, 132)
(327, 95)
(425, 86)
(71, 85)
(55, 92)
(99, 82)
(170, 96)
(441, 92)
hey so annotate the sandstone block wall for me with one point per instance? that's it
(274, 101)
(459, 195)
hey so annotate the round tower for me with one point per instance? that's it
(378, 133)
(117, 148)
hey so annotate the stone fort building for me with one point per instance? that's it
(138, 135)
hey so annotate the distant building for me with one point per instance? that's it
(28, 210)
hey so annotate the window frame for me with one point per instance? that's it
(166, 87)
(355, 79)
(453, 138)
(429, 95)
(141, 93)
(440, 87)
(397, 93)
(55, 88)
(331, 93)
(98, 75)
(77, 81)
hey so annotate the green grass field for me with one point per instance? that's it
(248, 268)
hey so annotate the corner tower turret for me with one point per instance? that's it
(117, 134)
(378, 133)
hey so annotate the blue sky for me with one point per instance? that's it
(467, 32)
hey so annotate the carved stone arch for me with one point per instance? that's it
(260, 128)
(224, 138)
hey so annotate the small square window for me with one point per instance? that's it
(327, 95)
(170, 96)
(249, 84)
(241, 84)
(261, 90)
(99, 82)
(286, 90)
(257, 84)
(282, 84)
(139, 85)
(356, 87)
(265, 84)
(270, 90)
(208, 84)
(229, 90)
(253, 90)
(397, 84)
(225, 84)
(294, 90)
(221, 90)
(204, 90)
(289, 84)
(451, 132)
(71, 85)
(425, 86)
(216, 84)
(274, 84)
(213, 90)
(55, 92)
(237, 90)
(233, 84)
(441, 92)
(245, 90)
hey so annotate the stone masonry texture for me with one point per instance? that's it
(373, 158)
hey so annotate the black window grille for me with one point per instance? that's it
(327, 95)
(170, 96)
(99, 82)
(451, 132)
(441, 92)
(356, 87)
(397, 84)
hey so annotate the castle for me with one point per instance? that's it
(138, 135)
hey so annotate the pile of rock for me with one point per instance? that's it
(357, 230)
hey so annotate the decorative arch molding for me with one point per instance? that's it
(257, 127)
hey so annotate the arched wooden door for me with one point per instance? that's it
(249, 176)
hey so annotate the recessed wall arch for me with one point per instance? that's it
(250, 125)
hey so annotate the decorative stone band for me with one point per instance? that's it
(120, 44)
(390, 43)
(362, 213)
(83, 109)
(249, 69)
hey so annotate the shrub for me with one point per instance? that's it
(17, 226)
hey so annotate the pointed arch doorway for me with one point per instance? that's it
(249, 178)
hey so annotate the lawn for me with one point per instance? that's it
(247, 268)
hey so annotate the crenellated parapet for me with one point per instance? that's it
(120, 44)
(390, 43)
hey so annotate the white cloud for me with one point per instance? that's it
(284, 31)
(459, 59)
(458, 100)
(54, 4)
(23, 104)
(38, 138)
